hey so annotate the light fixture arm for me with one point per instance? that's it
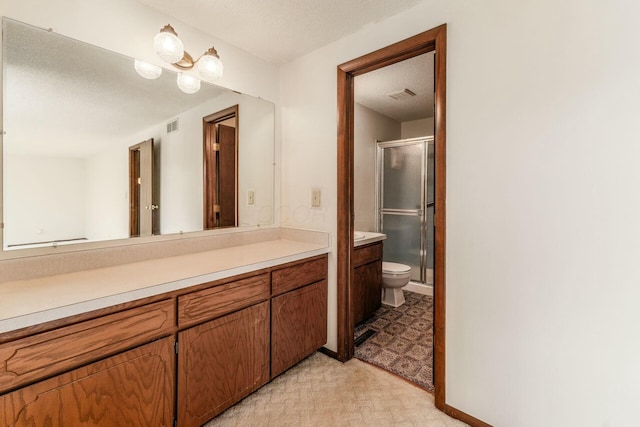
(186, 63)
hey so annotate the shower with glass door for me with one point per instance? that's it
(404, 203)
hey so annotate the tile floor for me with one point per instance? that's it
(403, 339)
(321, 391)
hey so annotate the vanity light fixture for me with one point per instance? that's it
(188, 84)
(170, 48)
(168, 45)
(146, 70)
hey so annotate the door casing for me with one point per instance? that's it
(428, 41)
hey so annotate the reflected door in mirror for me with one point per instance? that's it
(143, 205)
(221, 164)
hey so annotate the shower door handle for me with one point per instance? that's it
(412, 212)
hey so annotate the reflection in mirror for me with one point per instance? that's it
(220, 163)
(143, 194)
(73, 116)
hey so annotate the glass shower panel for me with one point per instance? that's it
(405, 186)
(403, 241)
(402, 168)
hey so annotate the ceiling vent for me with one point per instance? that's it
(401, 94)
(172, 126)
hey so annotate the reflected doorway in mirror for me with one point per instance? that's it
(220, 145)
(143, 195)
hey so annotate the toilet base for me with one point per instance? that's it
(392, 296)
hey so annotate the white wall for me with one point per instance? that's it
(417, 128)
(369, 127)
(107, 193)
(36, 213)
(543, 236)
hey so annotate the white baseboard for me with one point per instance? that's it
(419, 288)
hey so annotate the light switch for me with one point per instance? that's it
(251, 197)
(315, 197)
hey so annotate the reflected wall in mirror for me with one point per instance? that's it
(71, 113)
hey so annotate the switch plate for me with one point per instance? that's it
(315, 198)
(251, 197)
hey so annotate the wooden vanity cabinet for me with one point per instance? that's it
(108, 371)
(42, 355)
(186, 355)
(367, 281)
(134, 388)
(220, 362)
(298, 313)
(224, 359)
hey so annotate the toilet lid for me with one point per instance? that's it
(395, 268)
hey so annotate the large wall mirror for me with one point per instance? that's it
(81, 130)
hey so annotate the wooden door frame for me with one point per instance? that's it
(434, 39)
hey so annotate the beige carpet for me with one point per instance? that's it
(321, 391)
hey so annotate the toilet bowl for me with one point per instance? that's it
(394, 277)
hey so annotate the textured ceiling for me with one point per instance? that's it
(415, 74)
(279, 30)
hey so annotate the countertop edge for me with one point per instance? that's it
(369, 238)
(83, 306)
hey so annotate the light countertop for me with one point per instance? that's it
(29, 302)
(361, 238)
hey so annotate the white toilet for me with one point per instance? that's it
(394, 277)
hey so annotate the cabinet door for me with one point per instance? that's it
(358, 297)
(39, 356)
(220, 362)
(366, 289)
(134, 388)
(369, 277)
(298, 325)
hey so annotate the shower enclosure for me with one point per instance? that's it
(404, 203)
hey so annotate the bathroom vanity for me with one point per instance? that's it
(205, 338)
(367, 270)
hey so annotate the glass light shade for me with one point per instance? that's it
(168, 47)
(146, 70)
(188, 84)
(210, 67)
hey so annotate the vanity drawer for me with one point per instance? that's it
(289, 278)
(366, 254)
(209, 303)
(41, 355)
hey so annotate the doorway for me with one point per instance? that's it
(429, 41)
(220, 132)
